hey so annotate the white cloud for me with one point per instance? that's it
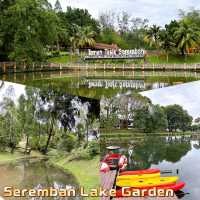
(187, 95)
(157, 11)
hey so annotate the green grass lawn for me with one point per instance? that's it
(174, 59)
(85, 171)
(127, 133)
(63, 59)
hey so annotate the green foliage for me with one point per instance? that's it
(10, 133)
(82, 37)
(93, 148)
(177, 118)
(150, 119)
(79, 154)
(55, 53)
(67, 142)
(177, 36)
(153, 150)
(64, 59)
(37, 142)
(187, 36)
(58, 7)
(110, 36)
(176, 150)
(174, 59)
(110, 121)
(27, 26)
(153, 36)
(79, 17)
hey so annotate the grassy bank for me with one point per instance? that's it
(174, 59)
(63, 59)
(131, 133)
(85, 171)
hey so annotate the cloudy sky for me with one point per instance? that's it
(187, 95)
(157, 11)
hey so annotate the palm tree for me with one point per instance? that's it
(166, 42)
(86, 37)
(82, 37)
(187, 36)
(152, 36)
(74, 37)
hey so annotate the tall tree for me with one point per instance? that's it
(82, 37)
(177, 118)
(166, 42)
(11, 124)
(79, 17)
(187, 36)
(27, 115)
(27, 27)
(150, 119)
(107, 20)
(57, 6)
(152, 36)
(124, 23)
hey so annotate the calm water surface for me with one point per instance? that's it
(35, 174)
(175, 154)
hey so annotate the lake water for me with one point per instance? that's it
(35, 174)
(173, 154)
(95, 84)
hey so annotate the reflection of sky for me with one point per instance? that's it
(11, 90)
(186, 174)
(187, 95)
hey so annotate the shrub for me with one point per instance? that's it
(93, 148)
(79, 154)
(37, 143)
(56, 53)
(67, 142)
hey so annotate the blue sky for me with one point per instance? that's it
(157, 11)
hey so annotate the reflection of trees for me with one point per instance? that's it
(36, 174)
(40, 173)
(177, 148)
(150, 151)
(157, 149)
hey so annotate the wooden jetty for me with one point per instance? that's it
(108, 182)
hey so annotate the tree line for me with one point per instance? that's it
(139, 113)
(29, 28)
(46, 119)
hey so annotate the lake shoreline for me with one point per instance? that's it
(85, 171)
(78, 168)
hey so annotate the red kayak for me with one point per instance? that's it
(139, 172)
(115, 161)
(175, 187)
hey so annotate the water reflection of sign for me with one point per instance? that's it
(135, 84)
(115, 54)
